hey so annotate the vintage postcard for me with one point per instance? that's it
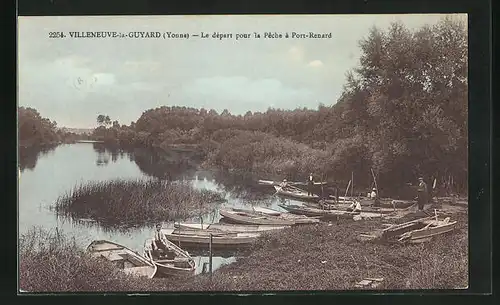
(243, 153)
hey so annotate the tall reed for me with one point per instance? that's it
(134, 202)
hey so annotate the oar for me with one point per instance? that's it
(347, 189)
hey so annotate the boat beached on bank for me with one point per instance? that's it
(171, 261)
(125, 259)
(415, 231)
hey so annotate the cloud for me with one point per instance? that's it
(315, 63)
(296, 53)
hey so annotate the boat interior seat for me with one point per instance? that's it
(142, 270)
(113, 256)
(169, 254)
(128, 265)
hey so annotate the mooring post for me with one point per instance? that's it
(210, 255)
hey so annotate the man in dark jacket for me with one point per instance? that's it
(422, 194)
(310, 185)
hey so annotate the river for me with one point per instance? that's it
(48, 174)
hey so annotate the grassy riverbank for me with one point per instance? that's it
(124, 202)
(327, 257)
(321, 257)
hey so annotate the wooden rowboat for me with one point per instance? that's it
(255, 218)
(345, 207)
(252, 218)
(415, 231)
(295, 193)
(228, 227)
(313, 212)
(273, 183)
(382, 203)
(173, 261)
(420, 230)
(259, 210)
(201, 238)
(124, 258)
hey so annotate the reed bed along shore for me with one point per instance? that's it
(49, 261)
(316, 257)
(135, 202)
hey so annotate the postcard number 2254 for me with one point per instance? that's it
(56, 35)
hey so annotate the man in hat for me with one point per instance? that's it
(310, 185)
(374, 197)
(422, 193)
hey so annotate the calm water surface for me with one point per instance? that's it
(48, 175)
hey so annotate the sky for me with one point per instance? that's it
(73, 80)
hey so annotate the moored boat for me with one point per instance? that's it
(345, 207)
(259, 210)
(228, 227)
(295, 193)
(273, 183)
(170, 260)
(127, 260)
(244, 217)
(201, 238)
(382, 203)
(314, 212)
(240, 216)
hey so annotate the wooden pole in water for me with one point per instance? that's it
(210, 255)
(322, 190)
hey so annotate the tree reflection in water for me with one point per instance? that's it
(28, 157)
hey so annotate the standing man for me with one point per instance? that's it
(374, 197)
(422, 193)
(310, 184)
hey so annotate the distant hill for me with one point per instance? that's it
(78, 130)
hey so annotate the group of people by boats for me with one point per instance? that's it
(291, 189)
(162, 254)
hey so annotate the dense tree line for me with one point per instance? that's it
(403, 113)
(35, 131)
